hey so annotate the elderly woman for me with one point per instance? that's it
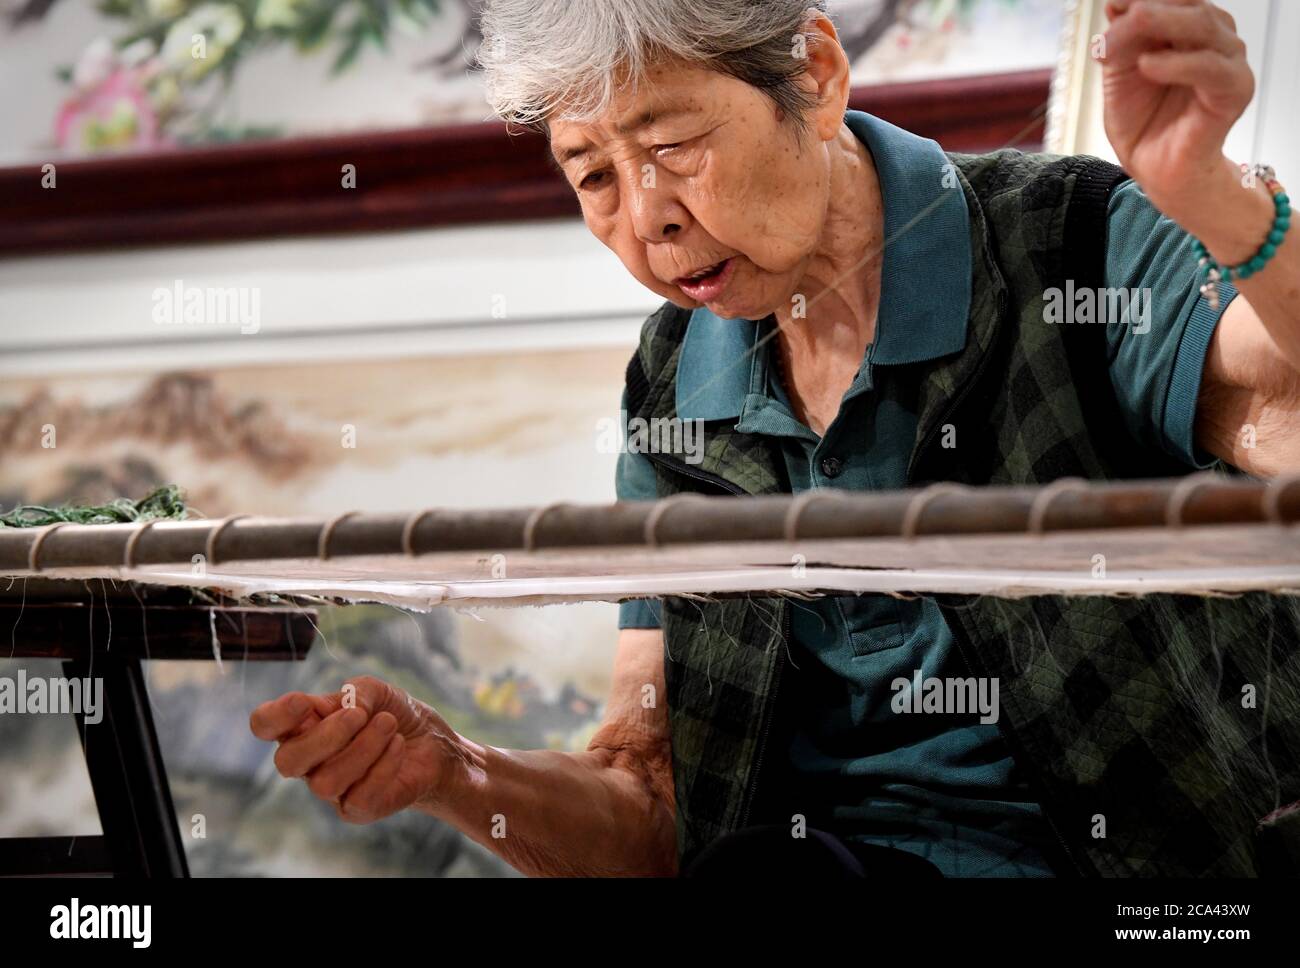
(847, 306)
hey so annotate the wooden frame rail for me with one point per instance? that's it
(450, 175)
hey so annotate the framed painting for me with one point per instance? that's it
(160, 121)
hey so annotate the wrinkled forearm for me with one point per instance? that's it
(597, 813)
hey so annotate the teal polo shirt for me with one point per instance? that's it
(941, 786)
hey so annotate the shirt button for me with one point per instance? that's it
(832, 466)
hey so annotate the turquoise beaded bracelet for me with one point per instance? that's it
(1211, 273)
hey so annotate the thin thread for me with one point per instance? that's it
(1268, 693)
(90, 665)
(144, 631)
(108, 613)
(708, 658)
(306, 613)
(13, 632)
(216, 641)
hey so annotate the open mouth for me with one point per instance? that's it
(700, 275)
(706, 282)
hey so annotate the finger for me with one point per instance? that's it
(1227, 19)
(331, 779)
(300, 755)
(1220, 83)
(1185, 27)
(372, 694)
(1117, 8)
(279, 717)
(1156, 26)
(308, 723)
(371, 798)
(322, 706)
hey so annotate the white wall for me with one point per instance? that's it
(430, 292)
(1277, 131)
(434, 292)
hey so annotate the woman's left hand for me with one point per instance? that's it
(1176, 80)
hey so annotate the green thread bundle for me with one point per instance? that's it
(166, 503)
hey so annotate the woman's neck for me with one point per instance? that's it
(823, 349)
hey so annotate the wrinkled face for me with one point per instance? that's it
(703, 191)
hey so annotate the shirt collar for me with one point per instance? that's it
(925, 280)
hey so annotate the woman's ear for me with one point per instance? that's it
(827, 76)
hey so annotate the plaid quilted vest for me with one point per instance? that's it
(1128, 713)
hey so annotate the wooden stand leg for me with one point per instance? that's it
(50, 619)
(127, 773)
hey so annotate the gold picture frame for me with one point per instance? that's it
(1075, 109)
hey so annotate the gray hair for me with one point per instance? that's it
(547, 60)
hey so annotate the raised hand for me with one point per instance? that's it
(1176, 80)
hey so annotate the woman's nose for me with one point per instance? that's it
(656, 215)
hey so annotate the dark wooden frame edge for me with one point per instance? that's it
(450, 175)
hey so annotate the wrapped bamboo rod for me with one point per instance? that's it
(941, 510)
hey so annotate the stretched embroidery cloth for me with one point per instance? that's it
(1201, 535)
(1200, 561)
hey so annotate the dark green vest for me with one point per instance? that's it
(1128, 713)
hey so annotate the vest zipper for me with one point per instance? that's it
(679, 468)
